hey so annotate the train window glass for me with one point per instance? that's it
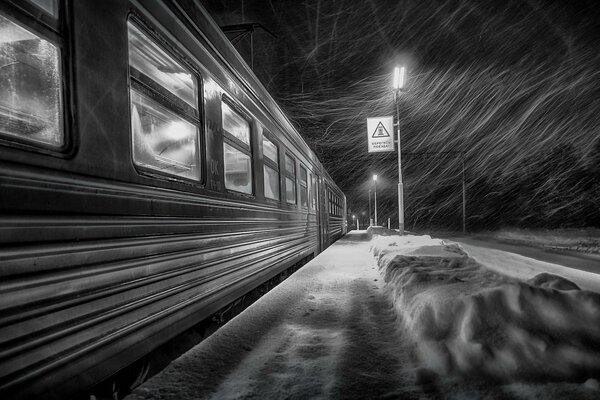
(50, 6)
(271, 169)
(270, 151)
(290, 179)
(152, 61)
(238, 169)
(235, 124)
(314, 191)
(271, 183)
(30, 86)
(161, 139)
(303, 187)
(236, 150)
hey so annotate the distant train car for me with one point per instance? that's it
(147, 179)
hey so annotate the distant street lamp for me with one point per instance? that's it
(375, 180)
(399, 73)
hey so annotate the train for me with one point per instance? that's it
(147, 180)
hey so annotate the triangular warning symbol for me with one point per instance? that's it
(380, 131)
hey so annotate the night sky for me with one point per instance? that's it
(512, 86)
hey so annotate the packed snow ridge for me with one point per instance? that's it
(468, 320)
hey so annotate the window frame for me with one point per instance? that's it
(33, 18)
(268, 163)
(292, 175)
(146, 87)
(233, 141)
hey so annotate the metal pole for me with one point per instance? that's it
(376, 203)
(370, 218)
(400, 185)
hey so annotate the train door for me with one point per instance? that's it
(324, 214)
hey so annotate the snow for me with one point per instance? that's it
(403, 317)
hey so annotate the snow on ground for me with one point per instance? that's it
(401, 317)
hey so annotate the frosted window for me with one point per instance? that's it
(162, 140)
(149, 59)
(290, 190)
(271, 183)
(50, 6)
(270, 150)
(30, 86)
(235, 124)
(238, 170)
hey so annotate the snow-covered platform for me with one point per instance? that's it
(402, 317)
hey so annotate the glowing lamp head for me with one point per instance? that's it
(399, 73)
(375, 177)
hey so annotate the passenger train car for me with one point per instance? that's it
(147, 179)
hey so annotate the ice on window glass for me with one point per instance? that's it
(271, 183)
(162, 140)
(149, 59)
(50, 6)
(238, 170)
(235, 125)
(30, 86)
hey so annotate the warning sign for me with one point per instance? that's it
(380, 134)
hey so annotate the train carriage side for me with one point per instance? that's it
(147, 179)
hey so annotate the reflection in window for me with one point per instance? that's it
(270, 151)
(271, 169)
(235, 124)
(290, 180)
(271, 183)
(164, 121)
(303, 187)
(161, 139)
(156, 64)
(238, 170)
(30, 86)
(50, 6)
(314, 191)
(290, 190)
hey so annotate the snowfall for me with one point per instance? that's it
(404, 317)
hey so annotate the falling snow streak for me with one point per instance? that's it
(514, 86)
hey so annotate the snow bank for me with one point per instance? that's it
(467, 320)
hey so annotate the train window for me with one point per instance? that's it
(314, 191)
(149, 61)
(290, 179)
(30, 86)
(236, 150)
(50, 6)
(271, 169)
(236, 125)
(164, 114)
(303, 187)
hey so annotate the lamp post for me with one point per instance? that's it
(370, 219)
(375, 180)
(399, 73)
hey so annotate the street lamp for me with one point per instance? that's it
(370, 219)
(375, 180)
(399, 73)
